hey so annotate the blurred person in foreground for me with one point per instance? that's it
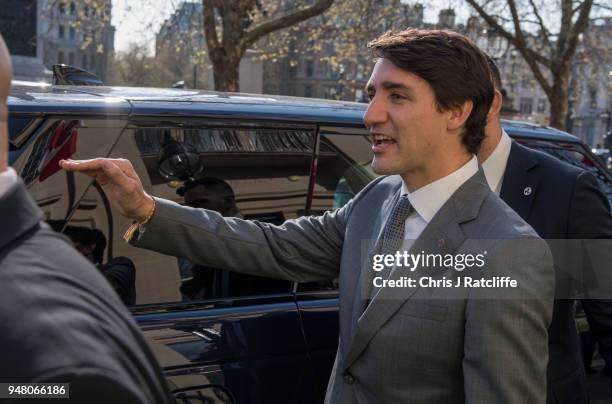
(430, 92)
(559, 201)
(62, 322)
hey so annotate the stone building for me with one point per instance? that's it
(77, 33)
(19, 25)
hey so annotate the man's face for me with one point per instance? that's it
(407, 131)
(206, 198)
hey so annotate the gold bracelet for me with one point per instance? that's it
(129, 233)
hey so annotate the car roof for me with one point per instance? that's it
(534, 131)
(41, 98)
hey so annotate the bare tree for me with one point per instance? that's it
(231, 27)
(547, 51)
(137, 68)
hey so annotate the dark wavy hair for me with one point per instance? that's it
(452, 65)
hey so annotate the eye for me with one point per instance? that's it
(371, 95)
(397, 97)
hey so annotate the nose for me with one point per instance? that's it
(375, 114)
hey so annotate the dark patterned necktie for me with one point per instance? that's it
(392, 237)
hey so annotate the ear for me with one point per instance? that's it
(458, 115)
(496, 106)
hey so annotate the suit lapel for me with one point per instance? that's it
(520, 180)
(369, 248)
(443, 235)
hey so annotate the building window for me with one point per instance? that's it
(541, 105)
(92, 62)
(309, 68)
(526, 107)
(72, 32)
(525, 82)
(60, 57)
(86, 10)
(60, 31)
(62, 8)
(85, 62)
(72, 8)
(593, 97)
(307, 91)
(358, 95)
(71, 59)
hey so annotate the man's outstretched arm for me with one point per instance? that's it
(304, 249)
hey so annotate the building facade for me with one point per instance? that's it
(20, 24)
(591, 86)
(77, 33)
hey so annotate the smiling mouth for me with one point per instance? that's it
(381, 139)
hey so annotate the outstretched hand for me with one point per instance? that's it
(120, 183)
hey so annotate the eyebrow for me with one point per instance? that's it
(389, 85)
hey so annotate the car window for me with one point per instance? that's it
(344, 168)
(266, 168)
(71, 203)
(578, 156)
(36, 159)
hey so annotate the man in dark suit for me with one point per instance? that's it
(61, 321)
(559, 201)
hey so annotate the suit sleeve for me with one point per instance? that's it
(590, 218)
(506, 331)
(301, 250)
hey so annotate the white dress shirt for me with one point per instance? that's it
(495, 165)
(8, 178)
(428, 200)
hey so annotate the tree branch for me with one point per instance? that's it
(254, 34)
(543, 28)
(518, 40)
(210, 26)
(602, 6)
(579, 27)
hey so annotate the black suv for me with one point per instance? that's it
(248, 340)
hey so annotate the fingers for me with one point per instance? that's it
(83, 165)
(116, 171)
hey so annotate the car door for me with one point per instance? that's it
(242, 341)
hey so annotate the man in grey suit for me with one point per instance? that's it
(430, 93)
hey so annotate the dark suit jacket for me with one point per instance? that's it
(565, 203)
(61, 320)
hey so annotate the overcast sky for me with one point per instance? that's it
(137, 21)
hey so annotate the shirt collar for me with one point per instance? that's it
(495, 165)
(8, 178)
(428, 200)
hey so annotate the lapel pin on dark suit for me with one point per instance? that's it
(441, 243)
(527, 191)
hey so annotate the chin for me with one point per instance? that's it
(381, 168)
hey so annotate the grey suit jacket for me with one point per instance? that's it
(411, 345)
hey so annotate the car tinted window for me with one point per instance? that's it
(343, 170)
(266, 167)
(36, 160)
